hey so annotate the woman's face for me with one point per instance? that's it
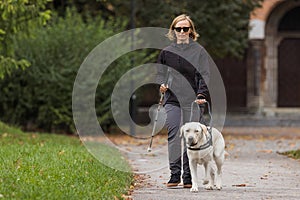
(182, 31)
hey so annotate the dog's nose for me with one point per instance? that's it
(190, 140)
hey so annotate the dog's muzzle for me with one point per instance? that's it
(190, 141)
(202, 147)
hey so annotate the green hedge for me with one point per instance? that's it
(41, 96)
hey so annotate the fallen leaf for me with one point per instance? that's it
(292, 144)
(126, 197)
(239, 185)
(264, 177)
(266, 151)
(129, 149)
(226, 154)
(18, 163)
(230, 147)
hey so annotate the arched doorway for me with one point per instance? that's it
(289, 60)
(282, 61)
(289, 73)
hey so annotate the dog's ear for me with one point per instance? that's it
(204, 128)
(181, 131)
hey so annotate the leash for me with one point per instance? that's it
(209, 141)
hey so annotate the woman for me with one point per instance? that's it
(188, 67)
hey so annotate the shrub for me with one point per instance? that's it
(41, 96)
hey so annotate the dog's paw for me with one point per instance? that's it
(219, 187)
(219, 184)
(208, 187)
(194, 189)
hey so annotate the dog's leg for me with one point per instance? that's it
(212, 175)
(205, 181)
(193, 168)
(209, 172)
(219, 162)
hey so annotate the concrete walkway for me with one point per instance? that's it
(253, 169)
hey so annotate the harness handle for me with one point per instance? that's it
(209, 142)
(209, 112)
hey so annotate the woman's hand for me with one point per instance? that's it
(200, 101)
(163, 88)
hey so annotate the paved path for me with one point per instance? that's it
(253, 169)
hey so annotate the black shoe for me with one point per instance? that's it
(174, 181)
(187, 181)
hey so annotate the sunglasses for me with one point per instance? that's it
(178, 29)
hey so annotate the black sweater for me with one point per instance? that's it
(189, 72)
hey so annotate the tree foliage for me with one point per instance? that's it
(222, 24)
(16, 16)
(40, 96)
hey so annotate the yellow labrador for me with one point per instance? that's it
(204, 147)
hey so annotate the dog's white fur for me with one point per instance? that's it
(196, 133)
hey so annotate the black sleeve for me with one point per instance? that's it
(161, 71)
(203, 73)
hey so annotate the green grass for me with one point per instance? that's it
(292, 154)
(48, 166)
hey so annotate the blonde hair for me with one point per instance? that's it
(171, 35)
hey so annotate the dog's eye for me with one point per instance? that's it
(187, 130)
(196, 131)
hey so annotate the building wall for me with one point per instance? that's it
(265, 80)
(259, 17)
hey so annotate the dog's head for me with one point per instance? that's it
(193, 132)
